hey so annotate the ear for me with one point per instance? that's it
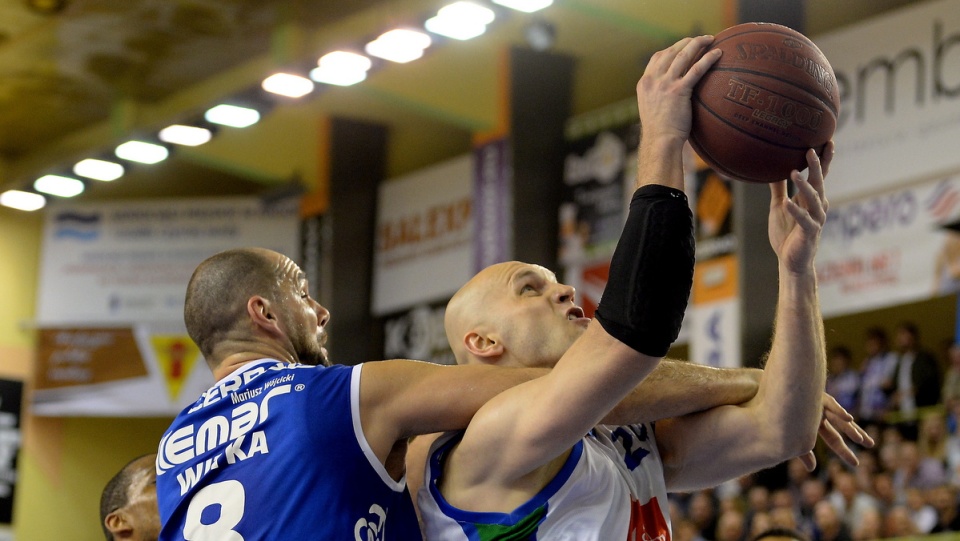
(484, 348)
(262, 315)
(117, 524)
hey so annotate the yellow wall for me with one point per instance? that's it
(64, 463)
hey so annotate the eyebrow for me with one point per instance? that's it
(524, 274)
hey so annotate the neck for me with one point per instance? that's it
(238, 354)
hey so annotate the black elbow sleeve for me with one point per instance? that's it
(651, 273)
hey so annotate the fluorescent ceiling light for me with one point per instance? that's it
(528, 6)
(399, 45)
(98, 169)
(19, 200)
(138, 151)
(190, 136)
(341, 68)
(286, 84)
(460, 20)
(233, 116)
(59, 186)
(467, 12)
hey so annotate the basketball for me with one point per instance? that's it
(771, 96)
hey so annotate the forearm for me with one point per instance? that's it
(791, 392)
(677, 388)
(660, 161)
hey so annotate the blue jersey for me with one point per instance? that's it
(275, 451)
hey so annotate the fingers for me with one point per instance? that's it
(684, 67)
(677, 59)
(832, 407)
(817, 173)
(661, 61)
(828, 152)
(835, 442)
(808, 206)
(852, 430)
(778, 192)
(809, 461)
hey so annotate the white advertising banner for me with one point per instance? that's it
(714, 316)
(715, 334)
(149, 370)
(110, 305)
(899, 78)
(424, 249)
(128, 262)
(891, 248)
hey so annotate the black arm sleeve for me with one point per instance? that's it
(651, 272)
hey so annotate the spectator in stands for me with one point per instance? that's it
(932, 437)
(914, 471)
(883, 491)
(684, 530)
(898, 523)
(759, 523)
(702, 512)
(730, 526)
(943, 499)
(924, 516)
(876, 382)
(849, 501)
(917, 381)
(951, 379)
(828, 525)
(869, 527)
(843, 382)
(812, 491)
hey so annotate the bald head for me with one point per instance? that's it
(218, 292)
(465, 311)
(513, 314)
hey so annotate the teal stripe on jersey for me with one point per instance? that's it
(524, 529)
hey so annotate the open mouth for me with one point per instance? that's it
(575, 313)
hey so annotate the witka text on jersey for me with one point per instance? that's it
(235, 430)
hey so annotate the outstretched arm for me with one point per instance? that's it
(781, 421)
(402, 398)
(532, 424)
(678, 388)
(666, 393)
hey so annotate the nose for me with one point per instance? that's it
(564, 294)
(323, 314)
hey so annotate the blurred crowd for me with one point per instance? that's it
(906, 485)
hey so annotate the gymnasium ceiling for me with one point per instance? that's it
(78, 77)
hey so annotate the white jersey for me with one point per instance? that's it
(611, 488)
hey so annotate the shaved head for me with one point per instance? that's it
(465, 311)
(218, 291)
(513, 314)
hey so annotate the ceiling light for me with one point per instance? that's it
(98, 169)
(138, 151)
(541, 35)
(286, 84)
(528, 6)
(59, 186)
(341, 68)
(19, 200)
(189, 136)
(232, 115)
(399, 45)
(460, 20)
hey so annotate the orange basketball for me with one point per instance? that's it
(771, 96)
